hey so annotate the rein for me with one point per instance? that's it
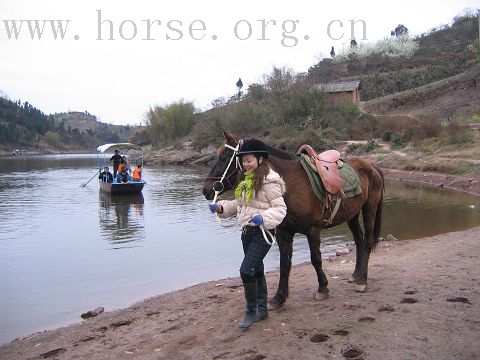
(227, 178)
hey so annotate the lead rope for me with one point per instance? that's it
(266, 235)
(265, 232)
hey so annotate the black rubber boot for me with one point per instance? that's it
(262, 309)
(250, 288)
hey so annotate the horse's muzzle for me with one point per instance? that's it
(209, 194)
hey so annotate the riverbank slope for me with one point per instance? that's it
(423, 302)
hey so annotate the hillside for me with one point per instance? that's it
(441, 53)
(439, 82)
(27, 128)
(447, 98)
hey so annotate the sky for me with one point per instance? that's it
(117, 58)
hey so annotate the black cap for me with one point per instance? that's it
(253, 146)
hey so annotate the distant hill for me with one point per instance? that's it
(86, 123)
(22, 125)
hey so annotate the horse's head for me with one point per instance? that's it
(225, 164)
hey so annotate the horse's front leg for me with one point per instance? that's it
(313, 237)
(285, 246)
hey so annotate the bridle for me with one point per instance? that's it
(218, 186)
(220, 181)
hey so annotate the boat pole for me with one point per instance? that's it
(85, 184)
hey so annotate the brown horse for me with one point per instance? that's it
(305, 213)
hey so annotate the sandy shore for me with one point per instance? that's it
(423, 302)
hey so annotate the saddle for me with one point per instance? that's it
(327, 164)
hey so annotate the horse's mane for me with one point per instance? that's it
(281, 154)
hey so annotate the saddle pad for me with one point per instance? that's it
(350, 181)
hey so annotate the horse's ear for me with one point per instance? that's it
(229, 138)
(225, 134)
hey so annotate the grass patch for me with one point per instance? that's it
(465, 168)
(467, 143)
(442, 166)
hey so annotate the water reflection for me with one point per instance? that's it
(413, 212)
(121, 218)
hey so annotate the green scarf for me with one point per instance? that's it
(247, 186)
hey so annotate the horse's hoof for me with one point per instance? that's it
(361, 288)
(321, 296)
(273, 306)
(351, 279)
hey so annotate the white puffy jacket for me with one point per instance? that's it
(268, 202)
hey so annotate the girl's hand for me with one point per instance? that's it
(257, 219)
(215, 208)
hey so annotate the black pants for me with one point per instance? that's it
(115, 169)
(255, 249)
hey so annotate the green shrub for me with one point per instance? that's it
(474, 116)
(248, 120)
(353, 148)
(349, 110)
(387, 135)
(397, 140)
(359, 148)
(171, 122)
(370, 145)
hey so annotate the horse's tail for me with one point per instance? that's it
(378, 216)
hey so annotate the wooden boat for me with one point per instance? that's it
(132, 187)
(116, 187)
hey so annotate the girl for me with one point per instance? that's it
(258, 202)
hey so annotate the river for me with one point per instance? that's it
(66, 249)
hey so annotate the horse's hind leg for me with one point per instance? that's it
(357, 232)
(285, 246)
(369, 212)
(313, 237)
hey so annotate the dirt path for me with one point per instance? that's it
(423, 302)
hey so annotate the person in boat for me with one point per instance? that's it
(137, 173)
(124, 164)
(121, 165)
(258, 203)
(127, 163)
(116, 162)
(123, 175)
(106, 175)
